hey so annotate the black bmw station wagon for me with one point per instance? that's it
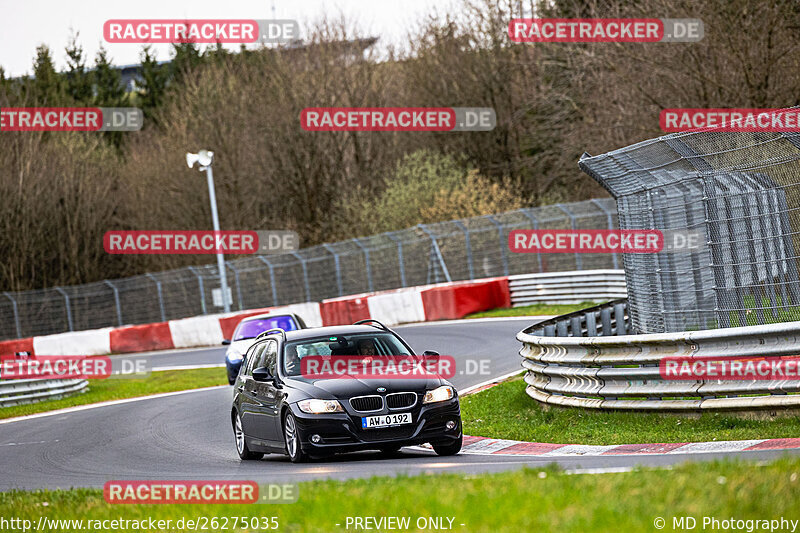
(278, 408)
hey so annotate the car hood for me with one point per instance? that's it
(348, 388)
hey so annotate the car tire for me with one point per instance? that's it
(450, 448)
(241, 443)
(291, 439)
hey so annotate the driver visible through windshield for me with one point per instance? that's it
(367, 344)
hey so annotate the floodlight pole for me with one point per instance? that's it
(223, 278)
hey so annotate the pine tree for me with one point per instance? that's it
(109, 91)
(187, 58)
(78, 80)
(153, 84)
(47, 86)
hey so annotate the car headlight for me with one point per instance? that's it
(234, 357)
(441, 394)
(316, 407)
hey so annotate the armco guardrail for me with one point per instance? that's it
(604, 368)
(19, 391)
(567, 287)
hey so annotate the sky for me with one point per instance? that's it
(26, 24)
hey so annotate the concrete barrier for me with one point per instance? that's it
(413, 304)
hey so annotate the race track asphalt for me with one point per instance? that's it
(188, 435)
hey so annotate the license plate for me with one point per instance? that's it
(382, 421)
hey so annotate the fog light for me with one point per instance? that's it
(316, 439)
(451, 424)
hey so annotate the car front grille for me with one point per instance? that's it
(366, 404)
(401, 400)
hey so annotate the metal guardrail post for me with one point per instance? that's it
(271, 278)
(305, 274)
(200, 285)
(67, 307)
(337, 265)
(535, 221)
(366, 263)
(503, 243)
(16, 313)
(468, 246)
(229, 264)
(400, 260)
(610, 221)
(160, 296)
(578, 259)
(437, 251)
(116, 301)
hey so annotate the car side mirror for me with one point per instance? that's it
(226, 342)
(262, 374)
(430, 354)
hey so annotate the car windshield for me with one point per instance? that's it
(250, 328)
(366, 344)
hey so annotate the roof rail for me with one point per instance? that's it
(371, 321)
(272, 332)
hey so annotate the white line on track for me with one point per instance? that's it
(473, 320)
(504, 377)
(86, 407)
(187, 367)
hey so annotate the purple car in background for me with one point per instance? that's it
(246, 332)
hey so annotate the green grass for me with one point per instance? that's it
(524, 500)
(507, 412)
(117, 389)
(533, 310)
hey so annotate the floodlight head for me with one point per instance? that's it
(204, 157)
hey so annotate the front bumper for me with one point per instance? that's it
(342, 432)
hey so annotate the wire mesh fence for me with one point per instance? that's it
(448, 251)
(740, 192)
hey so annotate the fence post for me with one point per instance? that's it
(161, 296)
(396, 239)
(578, 259)
(271, 278)
(116, 301)
(229, 264)
(535, 221)
(305, 274)
(468, 247)
(67, 307)
(16, 314)
(503, 243)
(610, 220)
(437, 251)
(366, 262)
(202, 292)
(337, 266)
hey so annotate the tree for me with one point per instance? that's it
(109, 91)
(78, 80)
(187, 57)
(153, 84)
(47, 86)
